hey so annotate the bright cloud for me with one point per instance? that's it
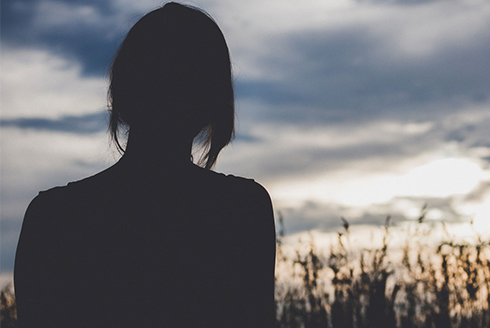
(440, 178)
(41, 83)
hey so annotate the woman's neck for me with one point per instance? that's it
(157, 151)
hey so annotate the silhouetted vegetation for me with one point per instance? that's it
(422, 286)
(442, 287)
(8, 308)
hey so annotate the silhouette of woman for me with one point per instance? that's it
(155, 240)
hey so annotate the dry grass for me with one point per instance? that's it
(8, 308)
(442, 287)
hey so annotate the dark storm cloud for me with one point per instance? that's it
(92, 45)
(327, 217)
(471, 134)
(356, 75)
(347, 73)
(83, 124)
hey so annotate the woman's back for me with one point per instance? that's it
(190, 248)
(155, 241)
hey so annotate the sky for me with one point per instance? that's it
(353, 108)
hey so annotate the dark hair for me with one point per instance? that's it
(173, 72)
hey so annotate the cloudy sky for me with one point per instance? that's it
(345, 108)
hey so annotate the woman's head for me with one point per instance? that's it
(172, 76)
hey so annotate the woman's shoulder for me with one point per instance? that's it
(45, 199)
(41, 213)
(58, 194)
(247, 188)
(87, 186)
(56, 200)
(246, 199)
(231, 191)
(42, 222)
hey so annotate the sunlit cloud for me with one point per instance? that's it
(41, 83)
(439, 178)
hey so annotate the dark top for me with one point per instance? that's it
(189, 249)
